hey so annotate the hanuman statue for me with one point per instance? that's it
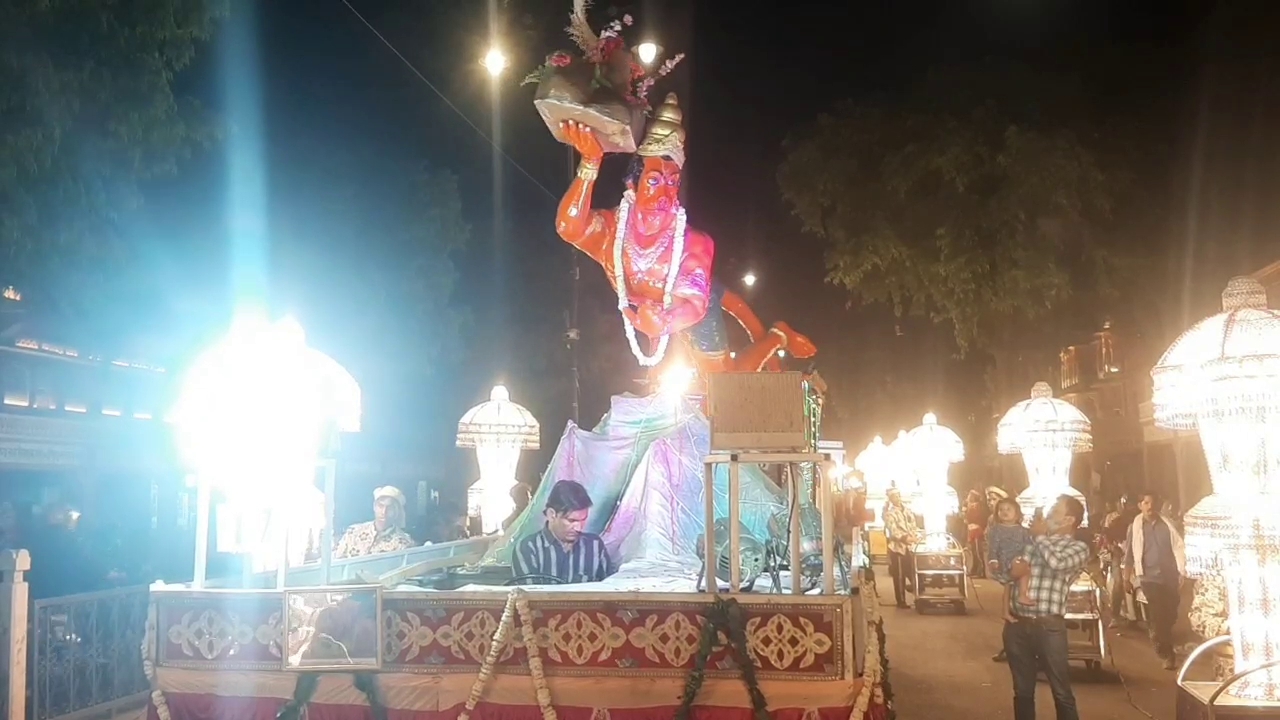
(660, 267)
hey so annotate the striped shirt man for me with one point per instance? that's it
(584, 560)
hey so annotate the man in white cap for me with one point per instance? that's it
(385, 533)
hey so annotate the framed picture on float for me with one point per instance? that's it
(333, 629)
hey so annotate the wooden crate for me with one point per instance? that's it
(757, 412)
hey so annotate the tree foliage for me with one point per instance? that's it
(87, 111)
(972, 215)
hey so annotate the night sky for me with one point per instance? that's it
(346, 123)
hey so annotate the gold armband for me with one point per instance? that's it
(588, 172)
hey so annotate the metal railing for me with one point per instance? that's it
(86, 653)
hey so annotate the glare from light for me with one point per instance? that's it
(252, 416)
(676, 381)
(782, 353)
(934, 448)
(495, 62)
(647, 52)
(749, 279)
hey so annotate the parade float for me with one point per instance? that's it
(941, 573)
(1221, 378)
(1047, 432)
(438, 632)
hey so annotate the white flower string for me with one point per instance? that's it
(149, 666)
(872, 671)
(517, 604)
(620, 280)
(540, 689)
(490, 659)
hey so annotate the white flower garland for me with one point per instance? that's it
(517, 603)
(620, 280)
(149, 666)
(872, 672)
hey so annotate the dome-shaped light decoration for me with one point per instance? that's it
(935, 448)
(1222, 378)
(899, 465)
(876, 465)
(498, 430)
(1046, 432)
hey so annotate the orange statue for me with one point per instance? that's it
(660, 267)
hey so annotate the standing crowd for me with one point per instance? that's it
(1140, 560)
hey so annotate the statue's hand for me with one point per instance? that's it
(648, 319)
(583, 139)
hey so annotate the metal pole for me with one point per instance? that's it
(735, 537)
(822, 476)
(326, 533)
(709, 555)
(203, 503)
(573, 333)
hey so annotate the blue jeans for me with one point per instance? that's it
(1033, 644)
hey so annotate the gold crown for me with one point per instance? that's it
(665, 136)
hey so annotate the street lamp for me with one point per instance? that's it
(647, 52)
(494, 61)
(749, 279)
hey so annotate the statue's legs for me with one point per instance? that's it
(708, 340)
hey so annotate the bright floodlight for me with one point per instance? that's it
(676, 380)
(252, 418)
(647, 52)
(934, 448)
(1046, 432)
(498, 430)
(1222, 378)
(749, 279)
(899, 465)
(494, 61)
(875, 465)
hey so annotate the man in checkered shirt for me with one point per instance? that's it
(1037, 636)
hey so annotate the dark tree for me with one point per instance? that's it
(88, 111)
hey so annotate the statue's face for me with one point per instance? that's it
(657, 195)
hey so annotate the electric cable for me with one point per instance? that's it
(447, 101)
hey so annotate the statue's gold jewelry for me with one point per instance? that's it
(587, 171)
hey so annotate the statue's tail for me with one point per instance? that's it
(737, 308)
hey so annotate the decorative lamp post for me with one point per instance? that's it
(254, 416)
(935, 448)
(498, 430)
(1046, 432)
(1222, 379)
(874, 464)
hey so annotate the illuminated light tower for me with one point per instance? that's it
(498, 430)
(874, 464)
(255, 414)
(935, 448)
(1222, 379)
(900, 467)
(1046, 431)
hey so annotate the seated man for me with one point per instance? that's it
(561, 549)
(385, 533)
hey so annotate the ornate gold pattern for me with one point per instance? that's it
(780, 642)
(211, 632)
(580, 638)
(665, 135)
(675, 638)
